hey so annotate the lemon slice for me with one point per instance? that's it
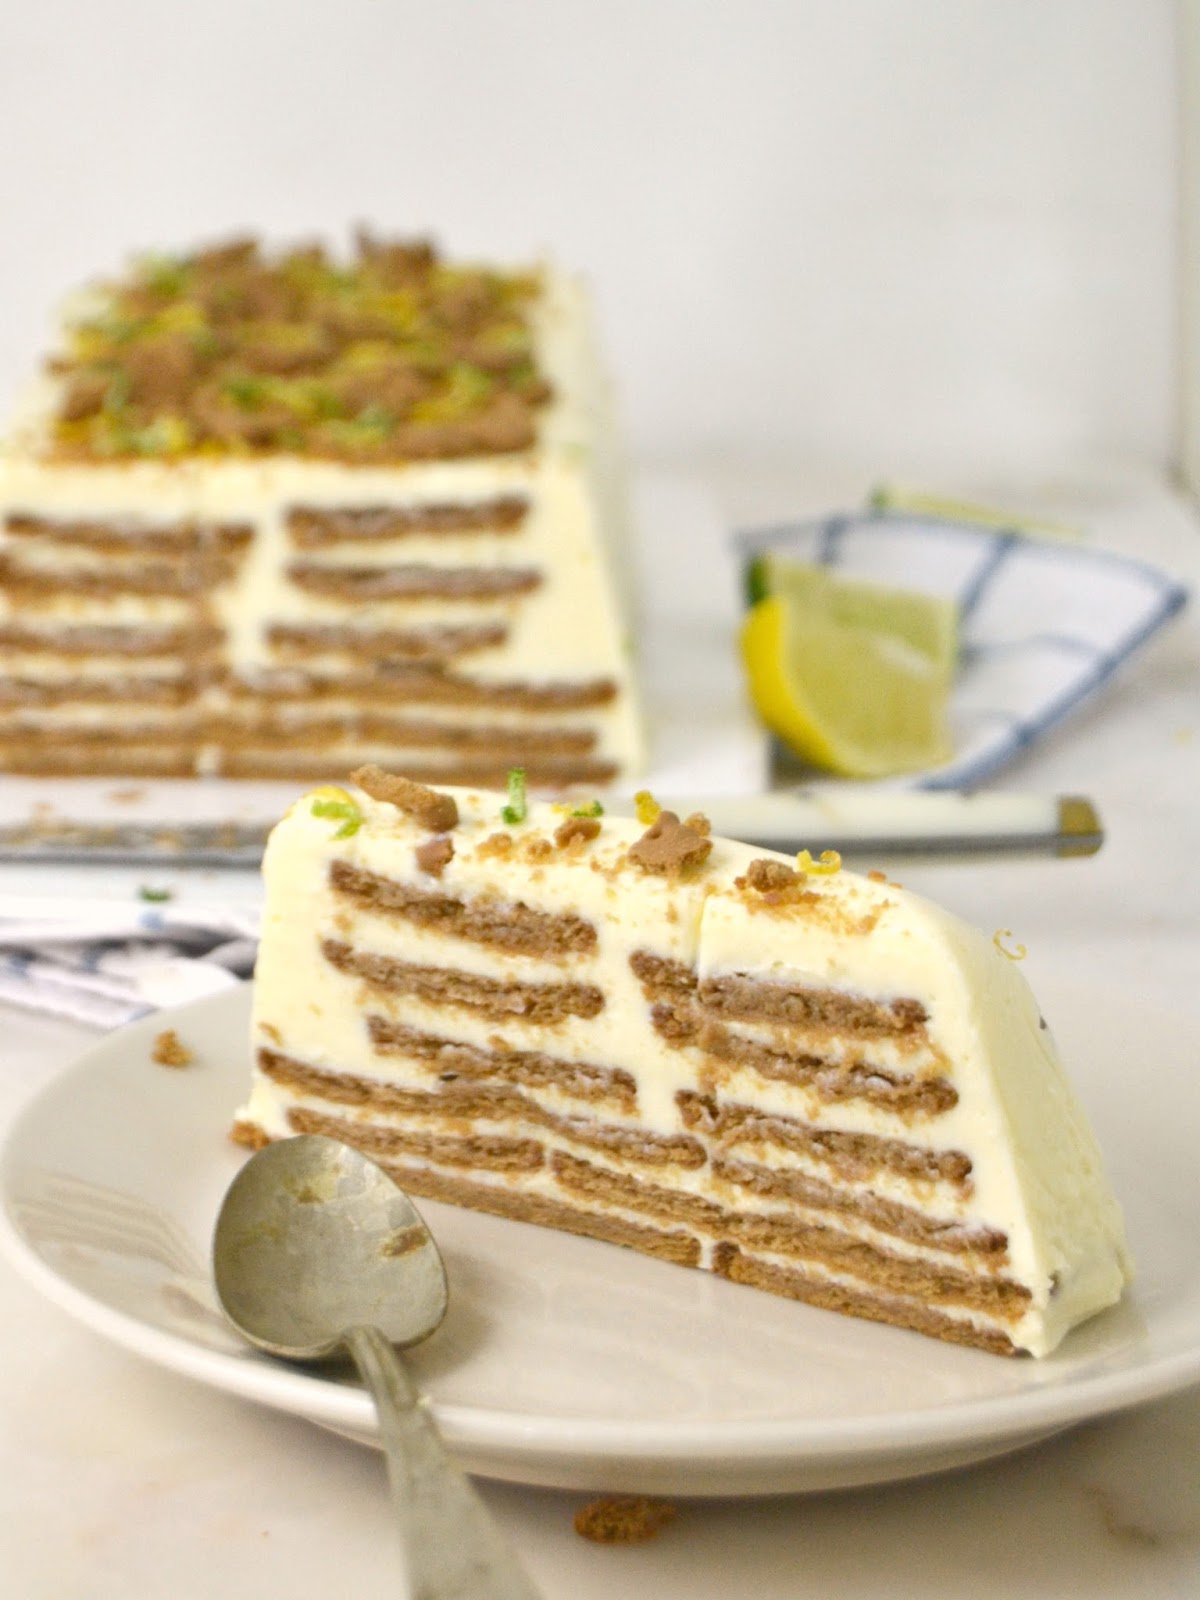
(853, 677)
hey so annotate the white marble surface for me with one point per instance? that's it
(123, 1481)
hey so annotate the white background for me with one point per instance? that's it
(915, 236)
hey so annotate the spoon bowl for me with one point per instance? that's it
(313, 1239)
(317, 1250)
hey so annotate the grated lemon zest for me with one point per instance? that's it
(647, 807)
(830, 862)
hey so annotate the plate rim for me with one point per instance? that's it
(513, 1435)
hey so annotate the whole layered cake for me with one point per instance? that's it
(267, 515)
(795, 1077)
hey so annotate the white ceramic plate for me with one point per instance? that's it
(575, 1364)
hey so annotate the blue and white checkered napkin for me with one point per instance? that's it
(1043, 623)
(106, 962)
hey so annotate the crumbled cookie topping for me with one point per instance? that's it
(170, 1051)
(623, 1519)
(669, 846)
(434, 855)
(765, 875)
(496, 844)
(249, 1135)
(438, 812)
(576, 828)
(876, 876)
(393, 355)
(775, 884)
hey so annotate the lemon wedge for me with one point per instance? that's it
(854, 677)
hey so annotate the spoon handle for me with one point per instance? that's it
(452, 1548)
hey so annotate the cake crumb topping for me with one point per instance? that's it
(435, 854)
(623, 1519)
(170, 1051)
(439, 812)
(496, 844)
(765, 875)
(576, 828)
(389, 355)
(249, 1135)
(669, 846)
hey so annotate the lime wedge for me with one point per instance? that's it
(854, 677)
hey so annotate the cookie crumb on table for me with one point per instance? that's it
(170, 1051)
(623, 1519)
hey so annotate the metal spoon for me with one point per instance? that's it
(315, 1250)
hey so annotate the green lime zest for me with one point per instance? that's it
(464, 390)
(756, 581)
(506, 339)
(204, 341)
(101, 335)
(590, 808)
(376, 418)
(351, 817)
(167, 435)
(166, 276)
(518, 806)
(120, 387)
(245, 391)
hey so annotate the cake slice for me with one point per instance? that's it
(798, 1078)
(269, 515)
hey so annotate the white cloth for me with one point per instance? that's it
(105, 962)
(1043, 623)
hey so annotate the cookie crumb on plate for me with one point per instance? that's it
(170, 1051)
(623, 1519)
